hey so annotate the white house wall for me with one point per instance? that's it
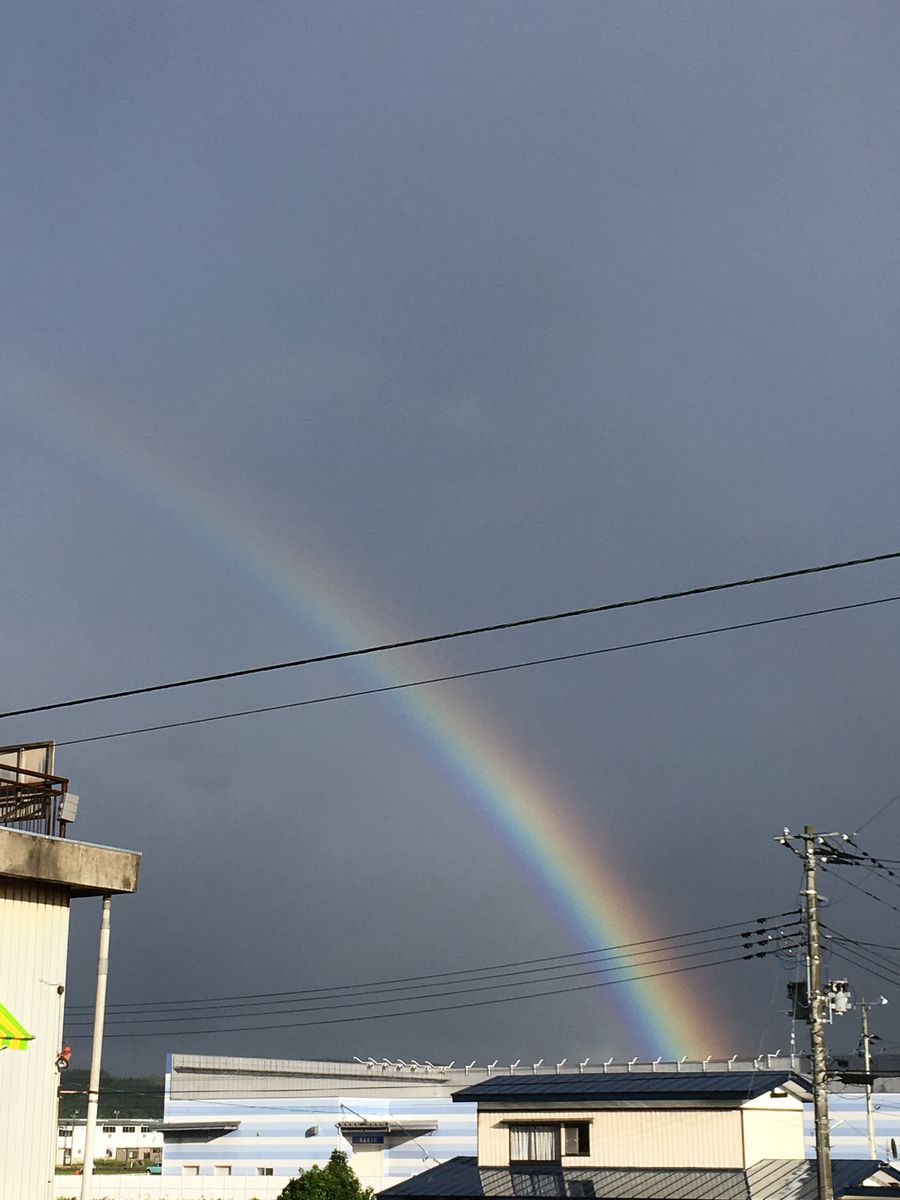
(34, 924)
(628, 1137)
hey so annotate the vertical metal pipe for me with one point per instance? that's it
(96, 1052)
(816, 1031)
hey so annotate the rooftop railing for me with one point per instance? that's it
(35, 802)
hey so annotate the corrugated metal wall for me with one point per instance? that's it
(34, 924)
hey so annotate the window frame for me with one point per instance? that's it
(583, 1137)
(560, 1131)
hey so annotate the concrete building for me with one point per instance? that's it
(124, 1140)
(641, 1136)
(41, 871)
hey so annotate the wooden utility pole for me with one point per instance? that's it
(816, 1009)
(816, 1018)
(865, 1041)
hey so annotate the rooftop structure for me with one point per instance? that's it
(41, 871)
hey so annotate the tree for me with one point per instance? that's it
(335, 1181)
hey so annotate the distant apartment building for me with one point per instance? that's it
(127, 1141)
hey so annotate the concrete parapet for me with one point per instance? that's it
(85, 869)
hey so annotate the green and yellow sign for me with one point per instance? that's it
(13, 1036)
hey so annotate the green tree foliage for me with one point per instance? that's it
(335, 1181)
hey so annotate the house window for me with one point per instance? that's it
(548, 1143)
(534, 1143)
(265, 1170)
(576, 1137)
(185, 1170)
(109, 1129)
(221, 1170)
(67, 1158)
(128, 1129)
(146, 1129)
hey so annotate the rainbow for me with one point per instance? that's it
(665, 1015)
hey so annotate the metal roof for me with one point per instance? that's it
(694, 1086)
(772, 1179)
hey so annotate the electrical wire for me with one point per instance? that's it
(472, 631)
(516, 666)
(877, 813)
(856, 941)
(895, 982)
(441, 1007)
(560, 960)
(877, 863)
(865, 891)
(133, 1019)
(848, 947)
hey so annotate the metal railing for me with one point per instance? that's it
(32, 801)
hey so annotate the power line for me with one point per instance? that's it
(749, 927)
(842, 937)
(443, 1007)
(135, 1019)
(878, 812)
(472, 631)
(861, 966)
(534, 662)
(866, 892)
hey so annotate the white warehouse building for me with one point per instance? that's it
(273, 1118)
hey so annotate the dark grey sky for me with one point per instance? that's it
(452, 313)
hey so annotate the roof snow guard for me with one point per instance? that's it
(645, 1087)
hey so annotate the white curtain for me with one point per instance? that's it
(534, 1143)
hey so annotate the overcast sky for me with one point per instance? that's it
(328, 322)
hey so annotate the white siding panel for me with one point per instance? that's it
(773, 1134)
(631, 1137)
(34, 924)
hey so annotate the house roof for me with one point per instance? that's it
(670, 1086)
(771, 1179)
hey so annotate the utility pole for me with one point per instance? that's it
(865, 1041)
(96, 1052)
(816, 1017)
(816, 1022)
